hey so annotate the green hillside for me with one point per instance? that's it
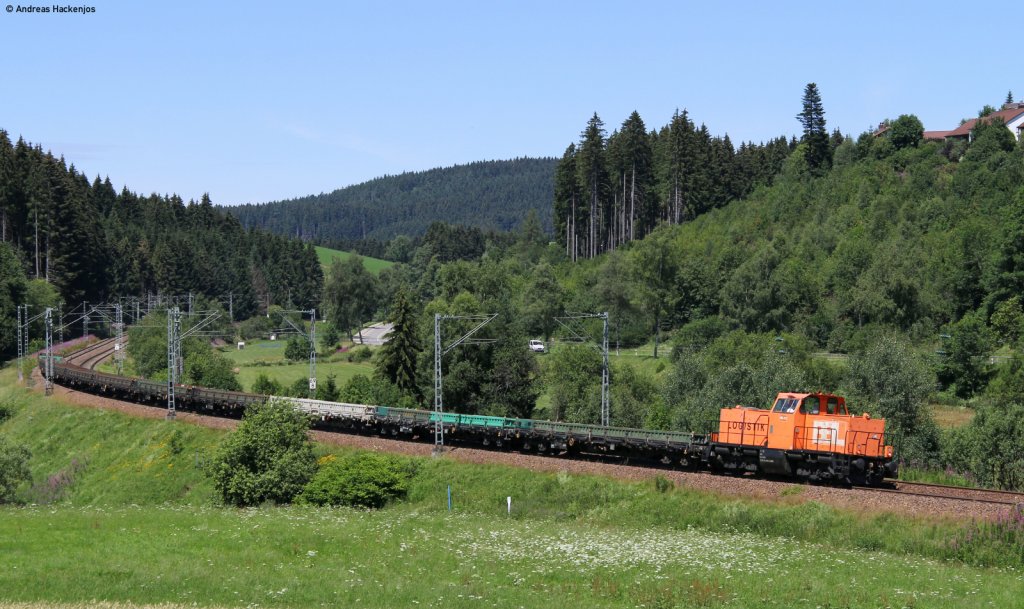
(327, 256)
(488, 195)
(128, 503)
(899, 260)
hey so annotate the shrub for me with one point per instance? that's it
(256, 327)
(264, 385)
(361, 389)
(361, 479)
(13, 468)
(268, 458)
(990, 448)
(7, 408)
(207, 368)
(297, 349)
(58, 485)
(329, 337)
(360, 354)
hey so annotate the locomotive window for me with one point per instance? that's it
(810, 405)
(785, 405)
(833, 406)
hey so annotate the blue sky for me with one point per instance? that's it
(259, 101)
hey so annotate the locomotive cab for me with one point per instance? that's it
(810, 434)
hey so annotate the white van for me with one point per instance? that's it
(537, 346)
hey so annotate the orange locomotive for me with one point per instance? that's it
(806, 435)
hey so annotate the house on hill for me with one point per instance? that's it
(1012, 114)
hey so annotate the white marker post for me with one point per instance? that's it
(509, 506)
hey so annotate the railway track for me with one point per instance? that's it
(91, 356)
(956, 493)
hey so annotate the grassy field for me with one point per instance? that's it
(135, 521)
(951, 416)
(327, 256)
(293, 557)
(267, 357)
(97, 457)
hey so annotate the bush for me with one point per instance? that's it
(264, 385)
(990, 449)
(256, 327)
(7, 409)
(207, 368)
(329, 337)
(13, 468)
(363, 479)
(695, 336)
(268, 458)
(360, 354)
(328, 390)
(297, 349)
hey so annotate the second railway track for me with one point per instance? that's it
(91, 356)
(977, 495)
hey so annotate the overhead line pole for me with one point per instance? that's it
(173, 355)
(21, 343)
(578, 335)
(311, 337)
(48, 366)
(438, 353)
(119, 342)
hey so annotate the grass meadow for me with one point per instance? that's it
(120, 511)
(328, 256)
(267, 357)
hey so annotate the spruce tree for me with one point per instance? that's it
(592, 176)
(636, 179)
(396, 361)
(674, 162)
(812, 117)
(567, 198)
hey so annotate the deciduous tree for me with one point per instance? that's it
(268, 458)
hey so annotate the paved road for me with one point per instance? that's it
(374, 335)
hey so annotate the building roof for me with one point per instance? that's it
(965, 129)
(935, 135)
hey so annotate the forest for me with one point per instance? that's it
(610, 190)
(66, 239)
(490, 195)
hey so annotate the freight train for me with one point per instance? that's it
(810, 436)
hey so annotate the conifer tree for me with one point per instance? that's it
(567, 201)
(635, 177)
(675, 154)
(812, 117)
(396, 361)
(592, 175)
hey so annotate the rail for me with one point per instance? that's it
(951, 493)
